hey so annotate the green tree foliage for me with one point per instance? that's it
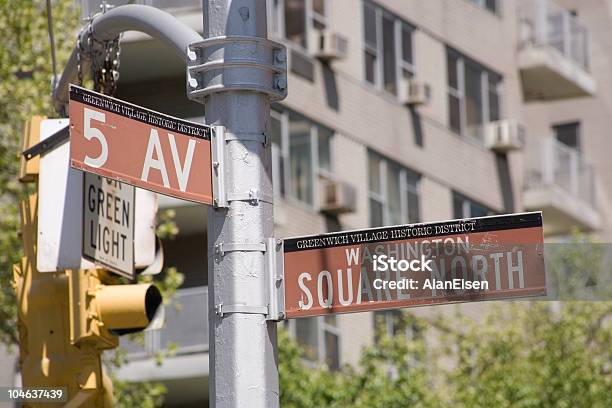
(389, 374)
(540, 354)
(579, 269)
(522, 354)
(25, 90)
(144, 394)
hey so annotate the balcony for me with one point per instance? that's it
(562, 184)
(185, 325)
(553, 55)
(185, 374)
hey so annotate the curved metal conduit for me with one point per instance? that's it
(149, 20)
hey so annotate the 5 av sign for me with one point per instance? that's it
(138, 146)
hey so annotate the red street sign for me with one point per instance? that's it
(472, 259)
(138, 146)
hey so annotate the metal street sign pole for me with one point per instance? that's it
(236, 71)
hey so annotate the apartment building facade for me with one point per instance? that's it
(399, 111)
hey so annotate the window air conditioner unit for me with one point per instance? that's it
(330, 46)
(337, 197)
(416, 93)
(504, 136)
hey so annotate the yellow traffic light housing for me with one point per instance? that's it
(128, 308)
(100, 312)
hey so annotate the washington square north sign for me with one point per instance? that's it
(473, 259)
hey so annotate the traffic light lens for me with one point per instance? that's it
(153, 299)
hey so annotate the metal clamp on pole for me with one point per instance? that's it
(222, 247)
(217, 147)
(222, 198)
(247, 137)
(237, 63)
(273, 252)
(276, 279)
(253, 196)
(222, 309)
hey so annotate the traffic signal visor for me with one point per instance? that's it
(126, 309)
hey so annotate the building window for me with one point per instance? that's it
(474, 95)
(568, 134)
(491, 5)
(464, 207)
(393, 192)
(388, 48)
(394, 323)
(387, 322)
(297, 20)
(319, 337)
(301, 154)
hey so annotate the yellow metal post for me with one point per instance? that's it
(47, 356)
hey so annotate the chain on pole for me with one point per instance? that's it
(104, 57)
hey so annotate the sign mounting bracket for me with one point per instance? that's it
(275, 279)
(273, 259)
(217, 147)
(247, 137)
(48, 144)
(221, 197)
(223, 247)
(253, 195)
(222, 309)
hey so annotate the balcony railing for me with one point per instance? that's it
(185, 326)
(542, 23)
(551, 163)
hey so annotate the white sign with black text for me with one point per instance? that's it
(108, 223)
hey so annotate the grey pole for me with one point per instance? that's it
(243, 353)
